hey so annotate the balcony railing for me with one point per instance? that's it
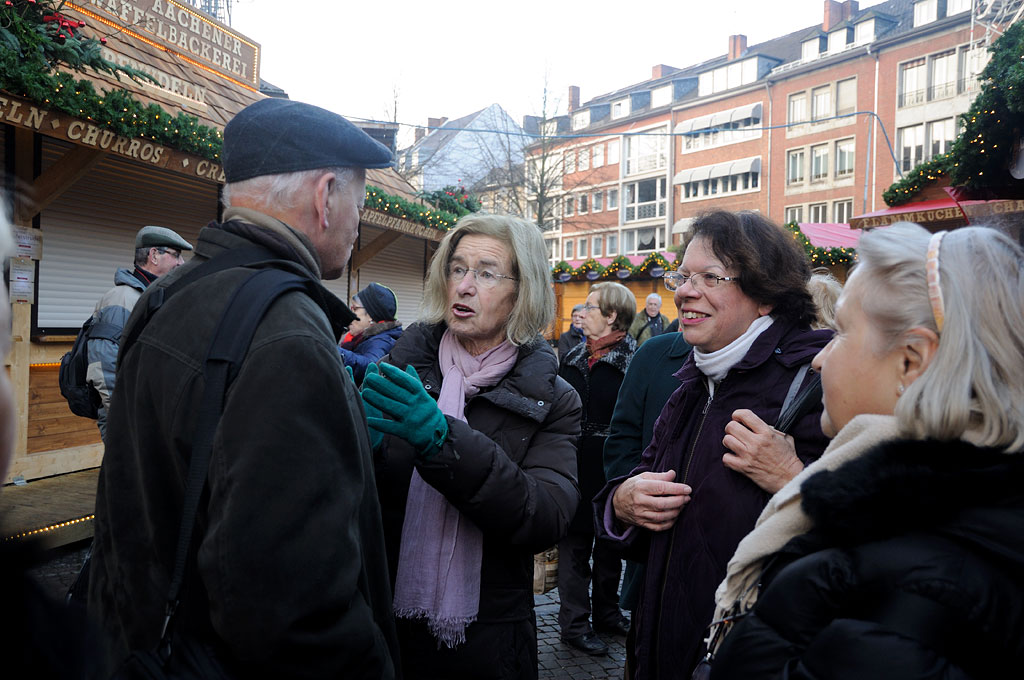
(912, 98)
(645, 211)
(942, 90)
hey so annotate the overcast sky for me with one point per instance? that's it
(450, 59)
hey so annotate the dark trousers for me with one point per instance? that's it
(574, 580)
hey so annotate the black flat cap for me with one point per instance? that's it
(276, 136)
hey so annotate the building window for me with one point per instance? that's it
(846, 96)
(583, 160)
(842, 211)
(568, 250)
(596, 242)
(639, 240)
(911, 146)
(810, 49)
(818, 212)
(798, 108)
(724, 178)
(912, 83)
(613, 245)
(864, 32)
(582, 254)
(645, 199)
(613, 199)
(598, 201)
(795, 167)
(646, 151)
(925, 12)
(941, 134)
(943, 77)
(598, 156)
(795, 214)
(838, 40)
(583, 203)
(844, 157)
(819, 162)
(581, 119)
(620, 109)
(569, 161)
(552, 248)
(737, 129)
(957, 6)
(570, 203)
(821, 102)
(661, 96)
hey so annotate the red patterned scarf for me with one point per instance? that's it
(598, 348)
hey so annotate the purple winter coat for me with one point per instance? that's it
(686, 563)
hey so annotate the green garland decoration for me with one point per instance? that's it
(454, 199)
(821, 257)
(655, 259)
(620, 262)
(588, 265)
(909, 186)
(981, 153)
(381, 201)
(33, 44)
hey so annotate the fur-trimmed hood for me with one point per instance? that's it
(974, 495)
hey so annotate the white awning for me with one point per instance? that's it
(683, 176)
(745, 165)
(720, 170)
(748, 111)
(720, 119)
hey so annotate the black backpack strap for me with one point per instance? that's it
(101, 330)
(798, 402)
(228, 348)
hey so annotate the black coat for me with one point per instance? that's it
(290, 577)
(598, 388)
(915, 569)
(511, 470)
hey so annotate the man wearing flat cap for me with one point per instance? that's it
(287, 575)
(157, 251)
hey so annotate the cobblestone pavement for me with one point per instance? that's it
(556, 659)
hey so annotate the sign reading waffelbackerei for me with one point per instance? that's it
(182, 29)
(24, 113)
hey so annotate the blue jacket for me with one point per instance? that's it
(377, 341)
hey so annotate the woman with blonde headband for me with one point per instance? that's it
(899, 553)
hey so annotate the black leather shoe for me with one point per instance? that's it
(588, 643)
(620, 627)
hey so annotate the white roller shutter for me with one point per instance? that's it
(89, 232)
(401, 267)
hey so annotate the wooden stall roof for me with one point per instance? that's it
(204, 68)
(389, 181)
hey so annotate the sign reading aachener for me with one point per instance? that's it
(184, 30)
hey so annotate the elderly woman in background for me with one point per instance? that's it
(475, 436)
(595, 369)
(741, 291)
(824, 290)
(375, 330)
(899, 554)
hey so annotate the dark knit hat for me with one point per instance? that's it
(277, 136)
(378, 301)
(160, 237)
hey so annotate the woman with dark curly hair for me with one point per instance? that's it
(741, 291)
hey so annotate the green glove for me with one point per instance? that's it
(415, 416)
(372, 412)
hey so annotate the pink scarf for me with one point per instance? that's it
(441, 552)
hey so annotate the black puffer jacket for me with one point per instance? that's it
(512, 471)
(598, 388)
(915, 569)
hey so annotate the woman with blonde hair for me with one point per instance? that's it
(899, 553)
(475, 446)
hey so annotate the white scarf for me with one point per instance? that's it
(783, 518)
(715, 365)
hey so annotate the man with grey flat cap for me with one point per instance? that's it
(287, 575)
(157, 251)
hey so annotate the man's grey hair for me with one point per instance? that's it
(653, 296)
(282, 191)
(141, 255)
(534, 307)
(975, 381)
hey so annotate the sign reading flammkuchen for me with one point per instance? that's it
(183, 30)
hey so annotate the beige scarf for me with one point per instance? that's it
(783, 518)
